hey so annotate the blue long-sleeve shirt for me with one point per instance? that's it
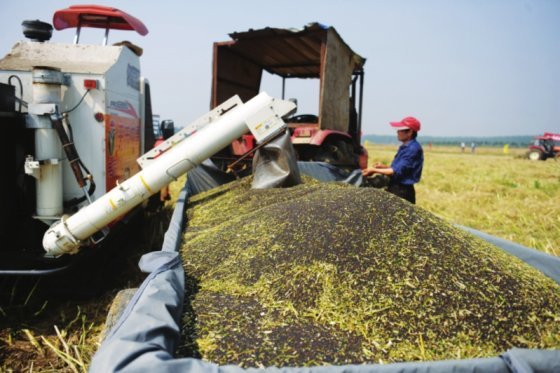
(407, 164)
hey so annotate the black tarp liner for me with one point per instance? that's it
(149, 329)
(275, 165)
(208, 176)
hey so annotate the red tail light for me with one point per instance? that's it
(90, 84)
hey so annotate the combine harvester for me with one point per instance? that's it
(77, 117)
(80, 115)
(64, 110)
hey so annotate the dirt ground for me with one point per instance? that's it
(54, 324)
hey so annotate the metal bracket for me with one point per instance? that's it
(66, 79)
(268, 123)
(99, 236)
(32, 167)
(37, 121)
(41, 109)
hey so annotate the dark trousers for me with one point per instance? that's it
(404, 191)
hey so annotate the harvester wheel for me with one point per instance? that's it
(535, 155)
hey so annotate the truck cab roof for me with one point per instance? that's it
(289, 52)
(315, 51)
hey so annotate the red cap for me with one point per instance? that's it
(408, 122)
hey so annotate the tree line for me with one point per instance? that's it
(512, 141)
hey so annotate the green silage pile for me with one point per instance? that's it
(326, 273)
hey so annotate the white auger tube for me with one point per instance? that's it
(261, 112)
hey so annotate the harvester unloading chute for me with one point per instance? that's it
(262, 116)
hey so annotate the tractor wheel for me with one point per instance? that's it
(337, 152)
(535, 155)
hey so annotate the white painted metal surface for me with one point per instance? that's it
(67, 235)
(49, 185)
(79, 58)
(116, 68)
(189, 130)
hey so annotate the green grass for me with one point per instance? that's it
(501, 194)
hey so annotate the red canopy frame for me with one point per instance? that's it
(97, 16)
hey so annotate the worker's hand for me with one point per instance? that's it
(368, 171)
(380, 165)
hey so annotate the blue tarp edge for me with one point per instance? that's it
(547, 264)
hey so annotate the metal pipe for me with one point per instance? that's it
(106, 37)
(78, 29)
(69, 148)
(361, 101)
(48, 150)
(354, 126)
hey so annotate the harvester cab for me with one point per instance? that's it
(317, 51)
(544, 147)
(79, 120)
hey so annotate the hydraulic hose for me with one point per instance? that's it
(69, 148)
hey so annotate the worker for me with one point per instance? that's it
(406, 168)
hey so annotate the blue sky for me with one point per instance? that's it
(463, 68)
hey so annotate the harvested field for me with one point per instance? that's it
(56, 324)
(501, 194)
(326, 273)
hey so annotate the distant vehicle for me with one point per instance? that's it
(544, 147)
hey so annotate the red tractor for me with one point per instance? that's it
(544, 147)
(317, 52)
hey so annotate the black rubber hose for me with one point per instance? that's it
(20, 100)
(78, 104)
